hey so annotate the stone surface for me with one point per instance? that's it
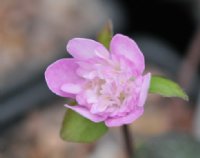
(173, 145)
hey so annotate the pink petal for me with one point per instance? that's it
(62, 72)
(71, 88)
(82, 48)
(123, 45)
(144, 89)
(114, 122)
(86, 113)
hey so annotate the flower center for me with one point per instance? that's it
(109, 85)
(107, 95)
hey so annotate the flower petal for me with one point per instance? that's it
(82, 48)
(144, 89)
(60, 73)
(86, 113)
(71, 88)
(114, 122)
(125, 46)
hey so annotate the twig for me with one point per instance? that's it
(191, 62)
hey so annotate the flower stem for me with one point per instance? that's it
(128, 142)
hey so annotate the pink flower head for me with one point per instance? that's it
(108, 86)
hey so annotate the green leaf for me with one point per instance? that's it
(105, 35)
(166, 88)
(76, 128)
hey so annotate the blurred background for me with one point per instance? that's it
(33, 34)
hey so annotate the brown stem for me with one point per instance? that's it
(128, 142)
(190, 63)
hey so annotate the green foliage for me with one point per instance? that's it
(105, 35)
(166, 88)
(76, 128)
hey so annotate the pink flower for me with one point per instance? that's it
(108, 86)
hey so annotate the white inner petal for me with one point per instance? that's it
(109, 86)
(71, 88)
